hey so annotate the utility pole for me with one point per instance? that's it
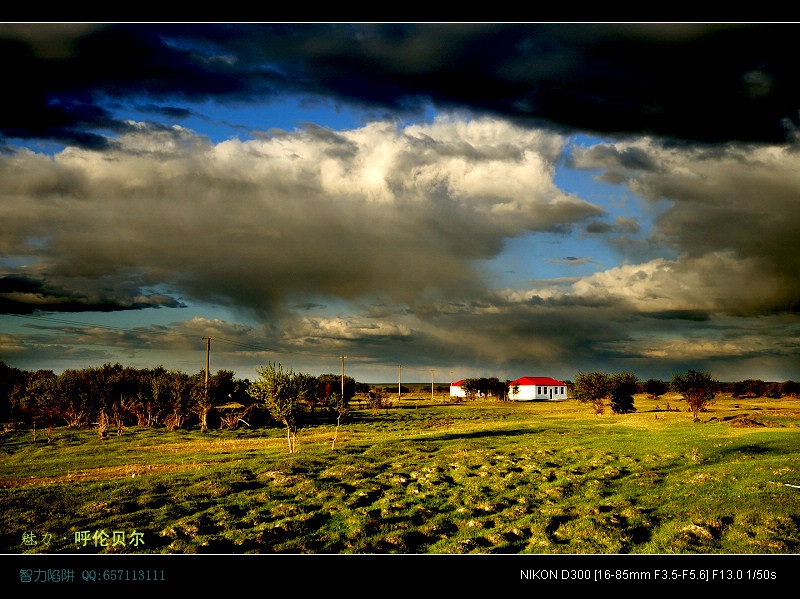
(451, 386)
(343, 357)
(432, 385)
(208, 352)
(399, 386)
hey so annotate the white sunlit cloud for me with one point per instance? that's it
(256, 221)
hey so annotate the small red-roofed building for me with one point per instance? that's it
(532, 388)
(456, 390)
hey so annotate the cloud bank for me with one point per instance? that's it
(379, 212)
(377, 241)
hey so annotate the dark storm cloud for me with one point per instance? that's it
(615, 159)
(173, 112)
(598, 227)
(20, 294)
(694, 82)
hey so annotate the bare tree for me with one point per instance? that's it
(377, 399)
(340, 406)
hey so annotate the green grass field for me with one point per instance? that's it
(422, 477)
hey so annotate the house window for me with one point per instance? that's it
(538, 390)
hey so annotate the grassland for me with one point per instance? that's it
(426, 476)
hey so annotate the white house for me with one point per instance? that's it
(530, 388)
(456, 390)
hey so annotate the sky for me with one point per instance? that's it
(407, 202)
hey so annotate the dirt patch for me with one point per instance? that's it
(104, 473)
(744, 420)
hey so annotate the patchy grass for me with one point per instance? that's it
(432, 477)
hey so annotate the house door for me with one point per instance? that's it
(551, 393)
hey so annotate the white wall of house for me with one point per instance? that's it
(456, 390)
(534, 392)
(537, 388)
(529, 389)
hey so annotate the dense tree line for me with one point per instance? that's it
(617, 390)
(597, 388)
(752, 388)
(695, 387)
(759, 388)
(112, 397)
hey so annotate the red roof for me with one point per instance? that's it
(527, 380)
(536, 380)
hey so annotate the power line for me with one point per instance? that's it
(160, 330)
(82, 324)
(208, 352)
(152, 330)
(342, 357)
(157, 331)
(252, 346)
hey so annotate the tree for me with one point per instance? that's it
(181, 390)
(655, 387)
(12, 391)
(592, 387)
(749, 388)
(497, 388)
(201, 398)
(12, 381)
(330, 383)
(237, 406)
(114, 389)
(377, 399)
(329, 390)
(471, 387)
(307, 387)
(279, 390)
(72, 398)
(153, 397)
(621, 387)
(697, 388)
(484, 387)
(791, 388)
(37, 401)
(220, 390)
(338, 404)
